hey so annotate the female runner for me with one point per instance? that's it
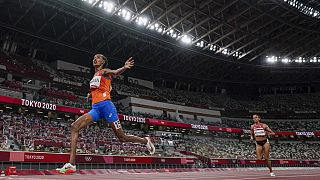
(260, 132)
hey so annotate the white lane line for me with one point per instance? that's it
(276, 177)
(209, 176)
(247, 175)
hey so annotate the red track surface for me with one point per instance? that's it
(230, 174)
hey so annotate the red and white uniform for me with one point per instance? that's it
(259, 129)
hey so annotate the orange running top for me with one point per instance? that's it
(100, 87)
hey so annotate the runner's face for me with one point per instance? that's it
(97, 61)
(255, 118)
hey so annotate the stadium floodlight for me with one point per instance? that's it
(108, 6)
(299, 60)
(128, 16)
(200, 44)
(174, 35)
(213, 47)
(90, 1)
(313, 60)
(151, 27)
(120, 12)
(186, 39)
(142, 21)
(125, 14)
(225, 51)
(271, 59)
(285, 60)
(236, 54)
(309, 11)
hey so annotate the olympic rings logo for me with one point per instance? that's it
(88, 158)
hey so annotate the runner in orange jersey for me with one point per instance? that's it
(102, 108)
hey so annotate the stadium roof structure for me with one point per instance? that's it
(226, 40)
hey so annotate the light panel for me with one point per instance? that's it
(142, 21)
(299, 60)
(109, 6)
(309, 11)
(186, 39)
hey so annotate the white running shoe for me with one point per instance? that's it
(150, 146)
(272, 174)
(67, 168)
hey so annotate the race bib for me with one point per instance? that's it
(95, 82)
(259, 132)
(117, 124)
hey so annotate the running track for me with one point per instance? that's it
(231, 174)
